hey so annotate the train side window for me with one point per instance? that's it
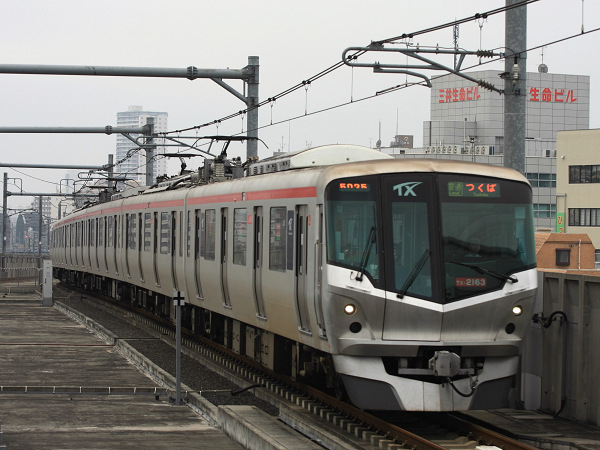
(277, 239)
(132, 231)
(110, 231)
(198, 233)
(240, 227)
(210, 234)
(92, 232)
(147, 232)
(101, 232)
(165, 235)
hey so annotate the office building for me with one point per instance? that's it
(130, 159)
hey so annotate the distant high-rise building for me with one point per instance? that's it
(130, 160)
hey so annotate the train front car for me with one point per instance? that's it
(429, 283)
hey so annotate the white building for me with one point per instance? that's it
(130, 160)
(467, 123)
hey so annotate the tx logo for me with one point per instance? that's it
(406, 189)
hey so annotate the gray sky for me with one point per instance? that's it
(294, 41)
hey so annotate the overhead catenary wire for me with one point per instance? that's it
(339, 64)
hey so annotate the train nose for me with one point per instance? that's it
(445, 364)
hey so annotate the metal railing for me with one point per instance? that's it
(21, 269)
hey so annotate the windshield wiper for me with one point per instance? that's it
(366, 253)
(493, 273)
(414, 273)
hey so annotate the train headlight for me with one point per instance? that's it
(349, 309)
(517, 310)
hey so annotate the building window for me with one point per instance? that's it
(584, 174)
(563, 256)
(544, 210)
(584, 217)
(542, 179)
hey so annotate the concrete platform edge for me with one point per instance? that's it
(255, 429)
(222, 417)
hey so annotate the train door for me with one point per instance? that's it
(88, 246)
(198, 233)
(301, 251)
(155, 248)
(224, 285)
(71, 242)
(129, 218)
(115, 237)
(102, 243)
(96, 243)
(76, 242)
(140, 233)
(318, 268)
(174, 249)
(258, 259)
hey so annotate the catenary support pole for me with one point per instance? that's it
(515, 89)
(178, 301)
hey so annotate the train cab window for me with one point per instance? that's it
(165, 233)
(210, 217)
(353, 232)
(240, 227)
(277, 239)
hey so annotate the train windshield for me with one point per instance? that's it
(353, 230)
(487, 233)
(440, 237)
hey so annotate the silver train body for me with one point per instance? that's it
(407, 283)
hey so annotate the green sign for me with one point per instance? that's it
(560, 222)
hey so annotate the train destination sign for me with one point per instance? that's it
(473, 189)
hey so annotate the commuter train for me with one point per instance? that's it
(403, 284)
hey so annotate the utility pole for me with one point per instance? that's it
(515, 90)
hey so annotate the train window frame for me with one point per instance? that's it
(240, 235)
(277, 238)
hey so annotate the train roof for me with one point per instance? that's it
(324, 155)
(419, 165)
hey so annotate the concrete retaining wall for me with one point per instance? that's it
(561, 362)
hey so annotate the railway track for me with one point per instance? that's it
(431, 431)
